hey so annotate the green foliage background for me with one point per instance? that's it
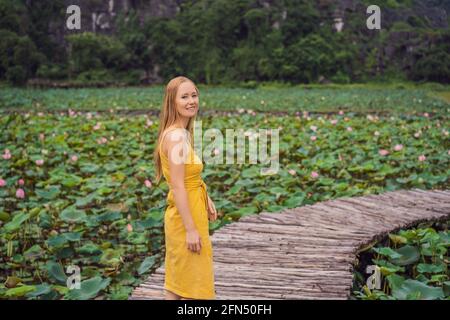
(226, 41)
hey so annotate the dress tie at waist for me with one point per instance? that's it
(193, 185)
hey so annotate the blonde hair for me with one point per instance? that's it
(169, 116)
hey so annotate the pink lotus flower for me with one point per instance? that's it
(149, 122)
(2, 183)
(21, 182)
(6, 156)
(349, 129)
(74, 158)
(341, 112)
(422, 158)
(41, 136)
(333, 122)
(313, 138)
(292, 172)
(148, 183)
(20, 193)
(398, 147)
(417, 134)
(39, 162)
(102, 140)
(313, 128)
(376, 133)
(129, 227)
(426, 115)
(314, 175)
(383, 152)
(97, 126)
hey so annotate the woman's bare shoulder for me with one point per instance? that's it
(174, 134)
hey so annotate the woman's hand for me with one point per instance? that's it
(193, 241)
(212, 212)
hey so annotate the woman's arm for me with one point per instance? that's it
(212, 212)
(177, 155)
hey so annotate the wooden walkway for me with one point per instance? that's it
(306, 252)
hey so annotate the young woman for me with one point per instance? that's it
(189, 272)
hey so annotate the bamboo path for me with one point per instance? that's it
(306, 252)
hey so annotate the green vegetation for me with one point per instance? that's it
(77, 189)
(396, 98)
(226, 41)
(413, 264)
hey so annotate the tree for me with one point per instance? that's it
(308, 58)
(433, 64)
(89, 51)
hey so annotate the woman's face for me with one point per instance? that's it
(187, 100)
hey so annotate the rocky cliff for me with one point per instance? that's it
(100, 15)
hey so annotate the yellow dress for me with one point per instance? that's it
(188, 274)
